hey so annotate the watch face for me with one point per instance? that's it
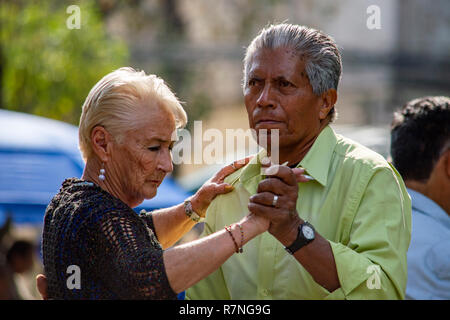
(308, 232)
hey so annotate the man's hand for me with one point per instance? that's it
(41, 284)
(281, 181)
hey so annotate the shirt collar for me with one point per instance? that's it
(251, 174)
(316, 162)
(428, 207)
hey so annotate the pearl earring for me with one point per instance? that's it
(101, 176)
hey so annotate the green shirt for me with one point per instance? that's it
(358, 202)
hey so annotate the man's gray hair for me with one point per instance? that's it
(322, 57)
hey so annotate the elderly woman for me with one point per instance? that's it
(125, 135)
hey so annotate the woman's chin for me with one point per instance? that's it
(150, 192)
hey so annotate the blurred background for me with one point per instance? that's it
(47, 68)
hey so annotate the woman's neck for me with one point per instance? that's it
(109, 184)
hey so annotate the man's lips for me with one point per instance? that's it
(267, 122)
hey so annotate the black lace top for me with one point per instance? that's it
(115, 249)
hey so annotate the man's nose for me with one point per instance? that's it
(266, 97)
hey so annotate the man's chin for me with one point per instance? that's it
(266, 140)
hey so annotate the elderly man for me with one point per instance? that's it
(342, 235)
(420, 148)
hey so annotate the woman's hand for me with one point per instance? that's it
(259, 223)
(41, 284)
(215, 186)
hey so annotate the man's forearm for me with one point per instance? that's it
(316, 257)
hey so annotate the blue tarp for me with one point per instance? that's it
(36, 155)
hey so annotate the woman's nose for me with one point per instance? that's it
(165, 162)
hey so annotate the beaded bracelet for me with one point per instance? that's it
(242, 238)
(228, 228)
(238, 249)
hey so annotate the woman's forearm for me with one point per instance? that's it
(189, 263)
(171, 224)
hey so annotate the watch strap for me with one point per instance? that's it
(301, 240)
(191, 213)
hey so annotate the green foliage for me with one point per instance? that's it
(48, 69)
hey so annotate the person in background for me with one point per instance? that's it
(19, 260)
(420, 150)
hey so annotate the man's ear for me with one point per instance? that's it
(100, 139)
(329, 99)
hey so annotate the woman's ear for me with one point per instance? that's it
(100, 139)
(329, 99)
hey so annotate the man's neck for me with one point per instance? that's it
(293, 154)
(431, 193)
(417, 186)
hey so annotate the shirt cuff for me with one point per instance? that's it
(352, 269)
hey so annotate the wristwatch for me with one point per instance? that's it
(191, 213)
(306, 234)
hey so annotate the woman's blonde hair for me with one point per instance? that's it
(115, 100)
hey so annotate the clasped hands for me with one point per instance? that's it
(276, 201)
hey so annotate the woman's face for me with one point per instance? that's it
(142, 159)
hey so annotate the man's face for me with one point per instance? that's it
(278, 95)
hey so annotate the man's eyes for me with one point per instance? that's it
(281, 83)
(253, 82)
(284, 83)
